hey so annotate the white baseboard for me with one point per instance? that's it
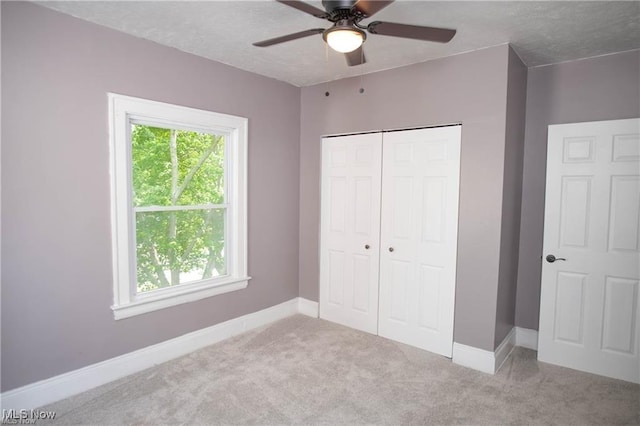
(527, 338)
(74, 382)
(472, 357)
(482, 360)
(505, 348)
(308, 307)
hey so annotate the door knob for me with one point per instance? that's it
(551, 258)
(391, 249)
(366, 246)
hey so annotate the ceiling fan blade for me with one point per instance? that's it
(356, 57)
(289, 37)
(306, 8)
(369, 7)
(441, 35)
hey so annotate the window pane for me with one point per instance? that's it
(175, 247)
(176, 167)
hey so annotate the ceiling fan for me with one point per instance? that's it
(347, 34)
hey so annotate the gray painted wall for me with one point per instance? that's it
(602, 88)
(469, 88)
(511, 197)
(56, 275)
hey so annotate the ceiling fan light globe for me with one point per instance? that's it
(344, 40)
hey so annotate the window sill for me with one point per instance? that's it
(178, 295)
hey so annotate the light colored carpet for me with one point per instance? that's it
(306, 371)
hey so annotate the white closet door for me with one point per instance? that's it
(350, 230)
(419, 230)
(590, 296)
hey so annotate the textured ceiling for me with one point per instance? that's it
(541, 32)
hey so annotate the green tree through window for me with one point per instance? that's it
(179, 203)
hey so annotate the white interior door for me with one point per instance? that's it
(589, 317)
(350, 230)
(419, 231)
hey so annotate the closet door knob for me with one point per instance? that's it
(366, 246)
(391, 249)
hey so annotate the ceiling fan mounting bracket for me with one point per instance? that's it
(331, 5)
(340, 10)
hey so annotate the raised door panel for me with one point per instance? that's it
(402, 200)
(575, 205)
(434, 191)
(620, 326)
(429, 284)
(397, 295)
(362, 200)
(626, 148)
(569, 310)
(624, 216)
(362, 284)
(336, 278)
(338, 204)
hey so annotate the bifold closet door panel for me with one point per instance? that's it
(350, 230)
(419, 227)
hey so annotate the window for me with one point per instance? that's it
(178, 196)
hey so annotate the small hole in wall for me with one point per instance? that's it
(326, 93)
(361, 90)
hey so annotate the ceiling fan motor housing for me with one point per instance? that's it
(339, 10)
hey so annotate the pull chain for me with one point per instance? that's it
(326, 61)
(362, 73)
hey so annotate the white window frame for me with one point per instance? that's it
(124, 110)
